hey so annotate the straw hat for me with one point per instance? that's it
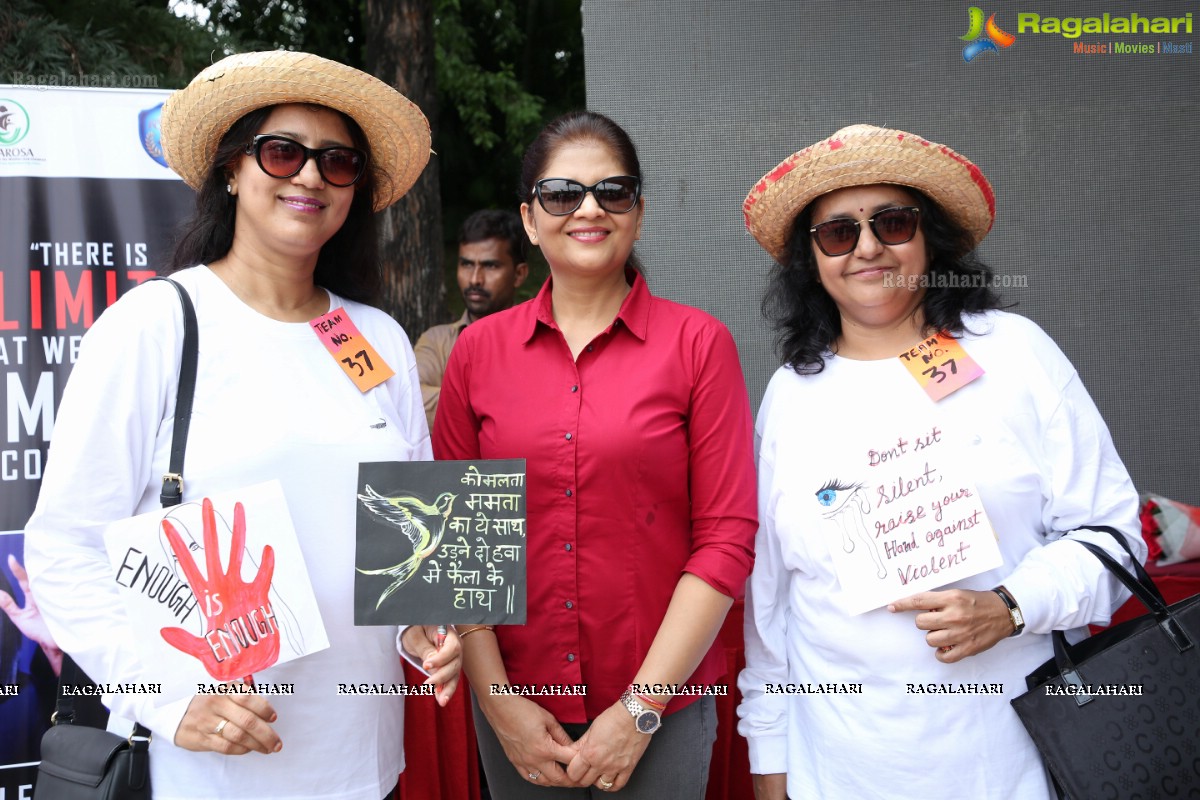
(194, 119)
(861, 155)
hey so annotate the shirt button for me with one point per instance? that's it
(575, 388)
(569, 604)
(567, 547)
(570, 656)
(568, 437)
(569, 492)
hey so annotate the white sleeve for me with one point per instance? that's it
(763, 718)
(413, 408)
(99, 467)
(1061, 585)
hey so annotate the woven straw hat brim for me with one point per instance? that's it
(195, 118)
(861, 155)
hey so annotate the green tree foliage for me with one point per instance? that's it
(503, 69)
(329, 28)
(71, 42)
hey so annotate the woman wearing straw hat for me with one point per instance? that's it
(291, 155)
(634, 419)
(921, 455)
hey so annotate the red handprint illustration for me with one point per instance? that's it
(241, 636)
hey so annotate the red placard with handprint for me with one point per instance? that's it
(242, 637)
(216, 591)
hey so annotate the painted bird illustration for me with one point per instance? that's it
(422, 523)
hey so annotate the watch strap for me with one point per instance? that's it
(1014, 610)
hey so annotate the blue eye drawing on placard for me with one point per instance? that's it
(828, 493)
(847, 504)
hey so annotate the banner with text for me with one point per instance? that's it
(89, 208)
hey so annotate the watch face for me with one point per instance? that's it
(648, 722)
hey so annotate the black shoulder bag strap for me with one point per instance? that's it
(172, 486)
(171, 495)
(1116, 534)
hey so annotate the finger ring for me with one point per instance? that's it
(220, 727)
(605, 785)
(946, 649)
(533, 776)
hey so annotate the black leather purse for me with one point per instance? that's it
(88, 763)
(83, 763)
(1118, 714)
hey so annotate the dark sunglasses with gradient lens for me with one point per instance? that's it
(891, 226)
(560, 196)
(281, 157)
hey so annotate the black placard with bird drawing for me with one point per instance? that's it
(440, 542)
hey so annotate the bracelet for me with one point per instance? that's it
(648, 701)
(464, 632)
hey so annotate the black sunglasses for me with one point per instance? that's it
(891, 226)
(560, 196)
(281, 157)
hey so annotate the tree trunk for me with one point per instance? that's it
(400, 51)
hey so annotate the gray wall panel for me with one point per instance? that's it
(1095, 160)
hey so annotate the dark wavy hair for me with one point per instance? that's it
(579, 127)
(807, 320)
(348, 263)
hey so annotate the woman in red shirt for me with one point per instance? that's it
(633, 417)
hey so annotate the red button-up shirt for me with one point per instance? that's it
(640, 468)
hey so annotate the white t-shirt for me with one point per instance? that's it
(270, 403)
(1042, 459)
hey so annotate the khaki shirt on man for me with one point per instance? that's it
(433, 353)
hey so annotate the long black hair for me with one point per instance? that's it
(348, 263)
(807, 319)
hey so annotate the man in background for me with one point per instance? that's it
(492, 253)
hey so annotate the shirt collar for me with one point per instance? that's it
(634, 312)
(463, 321)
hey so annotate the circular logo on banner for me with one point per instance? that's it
(150, 132)
(14, 122)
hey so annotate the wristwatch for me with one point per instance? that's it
(647, 720)
(1014, 610)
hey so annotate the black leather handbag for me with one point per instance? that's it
(80, 762)
(83, 763)
(1118, 714)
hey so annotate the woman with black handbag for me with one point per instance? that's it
(915, 432)
(291, 155)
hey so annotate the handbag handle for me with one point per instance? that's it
(172, 485)
(1143, 588)
(171, 494)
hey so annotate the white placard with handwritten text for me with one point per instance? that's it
(216, 590)
(911, 524)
